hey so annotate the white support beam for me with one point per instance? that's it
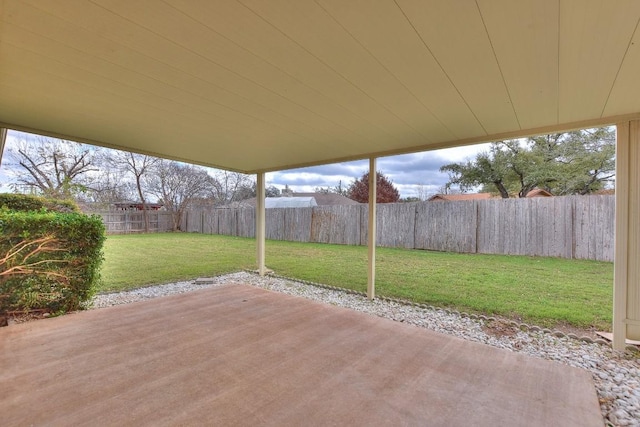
(260, 224)
(371, 276)
(626, 293)
(3, 138)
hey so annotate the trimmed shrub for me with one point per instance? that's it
(49, 260)
(22, 202)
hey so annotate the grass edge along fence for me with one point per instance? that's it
(573, 227)
(548, 292)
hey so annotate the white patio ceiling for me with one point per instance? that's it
(254, 85)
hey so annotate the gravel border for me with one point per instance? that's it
(616, 374)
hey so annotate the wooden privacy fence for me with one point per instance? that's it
(126, 222)
(579, 227)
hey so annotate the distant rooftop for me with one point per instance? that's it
(326, 199)
(137, 206)
(539, 192)
(453, 197)
(299, 199)
(536, 192)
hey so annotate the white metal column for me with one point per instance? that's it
(3, 138)
(371, 276)
(260, 223)
(626, 292)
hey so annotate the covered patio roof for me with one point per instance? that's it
(258, 86)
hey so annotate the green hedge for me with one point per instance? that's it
(21, 202)
(59, 278)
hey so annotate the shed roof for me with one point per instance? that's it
(320, 199)
(259, 86)
(289, 202)
(328, 199)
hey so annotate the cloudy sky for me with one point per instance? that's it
(414, 175)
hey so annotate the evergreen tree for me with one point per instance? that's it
(578, 162)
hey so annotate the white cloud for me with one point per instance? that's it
(413, 174)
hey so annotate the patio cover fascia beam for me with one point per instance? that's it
(626, 291)
(371, 240)
(260, 223)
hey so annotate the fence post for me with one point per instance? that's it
(573, 228)
(477, 209)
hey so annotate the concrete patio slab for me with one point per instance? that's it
(239, 355)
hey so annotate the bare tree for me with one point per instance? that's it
(56, 168)
(108, 188)
(177, 184)
(421, 192)
(338, 189)
(138, 166)
(232, 187)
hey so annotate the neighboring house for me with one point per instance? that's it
(537, 192)
(454, 197)
(136, 206)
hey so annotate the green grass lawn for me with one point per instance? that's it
(542, 291)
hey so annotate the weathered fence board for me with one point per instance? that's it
(568, 227)
(274, 221)
(536, 227)
(556, 227)
(364, 225)
(336, 224)
(246, 222)
(227, 222)
(125, 222)
(210, 222)
(193, 221)
(299, 223)
(291, 224)
(446, 226)
(396, 225)
(593, 235)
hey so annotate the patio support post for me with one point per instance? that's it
(626, 290)
(371, 242)
(260, 223)
(3, 138)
